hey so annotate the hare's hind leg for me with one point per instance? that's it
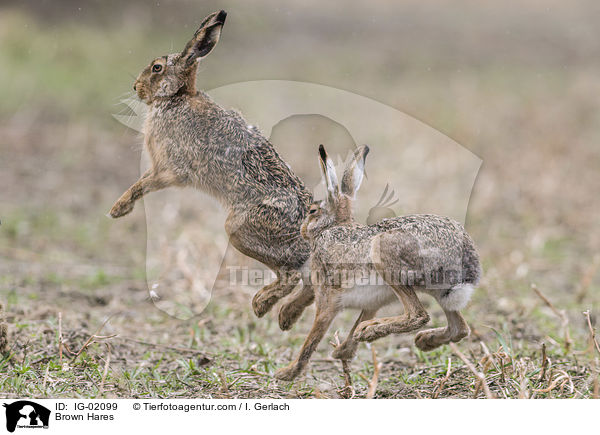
(327, 309)
(347, 349)
(456, 330)
(451, 301)
(268, 296)
(247, 235)
(293, 309)
(388, 251)
(414, 317)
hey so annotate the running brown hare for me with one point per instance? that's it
(192, 141)
(411, 253)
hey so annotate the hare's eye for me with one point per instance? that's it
(312, 211)
(157, 68)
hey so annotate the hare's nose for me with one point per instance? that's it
(134, 87)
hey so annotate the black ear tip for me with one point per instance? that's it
(322, 152)
(367, 149)
(221, 17)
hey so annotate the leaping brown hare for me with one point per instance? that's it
(192, 141)
(370, 266)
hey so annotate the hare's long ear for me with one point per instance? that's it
(205, 38)
(328, 170)
(355, 171)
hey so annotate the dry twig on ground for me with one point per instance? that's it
(375, 379)
(205, 358)
(586, 279)
(3, 332)
(593, 341)
(443, 381)
(60, 338)
(561, 314)
(478, 375)
(561, 380)
(545, 363)
(347, 392)
(94, 337)
(105, 372)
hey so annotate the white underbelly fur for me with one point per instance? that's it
(368, 297)
(373, 297)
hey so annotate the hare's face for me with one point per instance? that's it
(174, 74)
(163, 78)
(320, 216)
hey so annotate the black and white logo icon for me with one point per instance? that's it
(25, 414)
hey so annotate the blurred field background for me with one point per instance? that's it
(516, 85)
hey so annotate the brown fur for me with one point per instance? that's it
(192, 141)
(414, 243)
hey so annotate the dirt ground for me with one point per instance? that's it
(517, 88)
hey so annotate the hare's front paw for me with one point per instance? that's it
(121, 208)
(288, 373)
